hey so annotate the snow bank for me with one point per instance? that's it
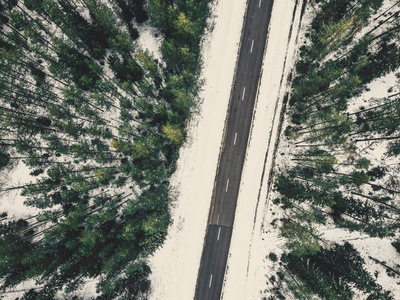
(175, 265)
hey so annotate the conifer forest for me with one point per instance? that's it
(99, 123)
(344, 152)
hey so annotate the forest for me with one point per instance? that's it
(344, 148)
(99, 122)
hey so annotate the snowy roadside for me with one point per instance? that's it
(246, 269)
(175, 265)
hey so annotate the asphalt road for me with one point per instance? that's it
(231, 160)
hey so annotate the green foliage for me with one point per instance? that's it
(396, 245)
(319, 103)
(332, 177)
(332, 273)
(272, 256)
(301, 239)
(173, 133)
(4, 160)
(102, 144)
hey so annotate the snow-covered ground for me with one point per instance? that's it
(12, 202)
(175, 265)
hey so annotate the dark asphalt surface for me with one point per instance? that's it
(231, 160)
(217, 246)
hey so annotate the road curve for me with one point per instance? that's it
(233, 151)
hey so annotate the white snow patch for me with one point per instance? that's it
(86, 292)
(382, 250)
(150, 39)
(382, 87)
(12, 202)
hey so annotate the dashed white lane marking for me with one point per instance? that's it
(252, 44)
(234, 142)
(259, 4)
(227, 184)
(210, 281)
(244, 91)
(219, 232)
